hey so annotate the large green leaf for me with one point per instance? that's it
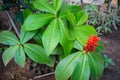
(36, 53)
(8, 38)
(71, 18)
(66, 44)
(78, 46)
(96, 63)
(71, 34)
(51, 37)
(9, 54)
(57, 4)
(26, 35)
(20, 56)
(64, 8)
(83, 32)
(82, 17)
(73, 9)
(38, 37)
(66, 66)
(58, 50)
(37, 21)
(44, 5)
(82, 70)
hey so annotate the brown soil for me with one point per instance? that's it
(112, 45)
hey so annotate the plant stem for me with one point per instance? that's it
(12, 23)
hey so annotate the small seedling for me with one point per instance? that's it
(108, 61)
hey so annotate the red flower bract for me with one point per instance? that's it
(91, 44)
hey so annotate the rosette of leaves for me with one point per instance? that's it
(62, 31)
(18, 47)
(64, 25)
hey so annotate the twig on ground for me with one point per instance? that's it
(41, 76)
(12, 23)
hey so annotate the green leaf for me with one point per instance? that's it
(20, 56)
(82, 17)
(66, 44)
(64, 8)
(71, 34)
(8, 38)
(26, 13)
(26, 35)
(75, 9)
(37, 21)
(36, 53)
(58, 50)
(38, 37)
(66, 66)
(82, 70)
(57, 4)
(51, 37)
(63, 28)
(96, 63)
(8, 54)
(78, 46)
(71, 18)
(100, 48)
(44, 5)
(83, 32)
(19, 17)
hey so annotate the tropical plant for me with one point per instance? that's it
(59, 29)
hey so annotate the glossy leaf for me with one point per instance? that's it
(62, 12)
(36, 53)
(58, 50)
(57, 4)
(71, 34)
(75, 9)
(66, 44)
(51, 37)
(96, 63)
(38, 37)
(71, 18)
(8, 38)
(66, 66)
(63, 28)
(78, 46)
(44, 5)
(20, 56)
(82, 70)
(82, 17)
(83, 32)
(37, 21)
(8, 54)
(26, 35)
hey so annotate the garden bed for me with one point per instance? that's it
(32, 72)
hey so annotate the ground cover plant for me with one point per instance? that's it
(59, 29)
(103, 20)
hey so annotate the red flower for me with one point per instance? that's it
(91, 44)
